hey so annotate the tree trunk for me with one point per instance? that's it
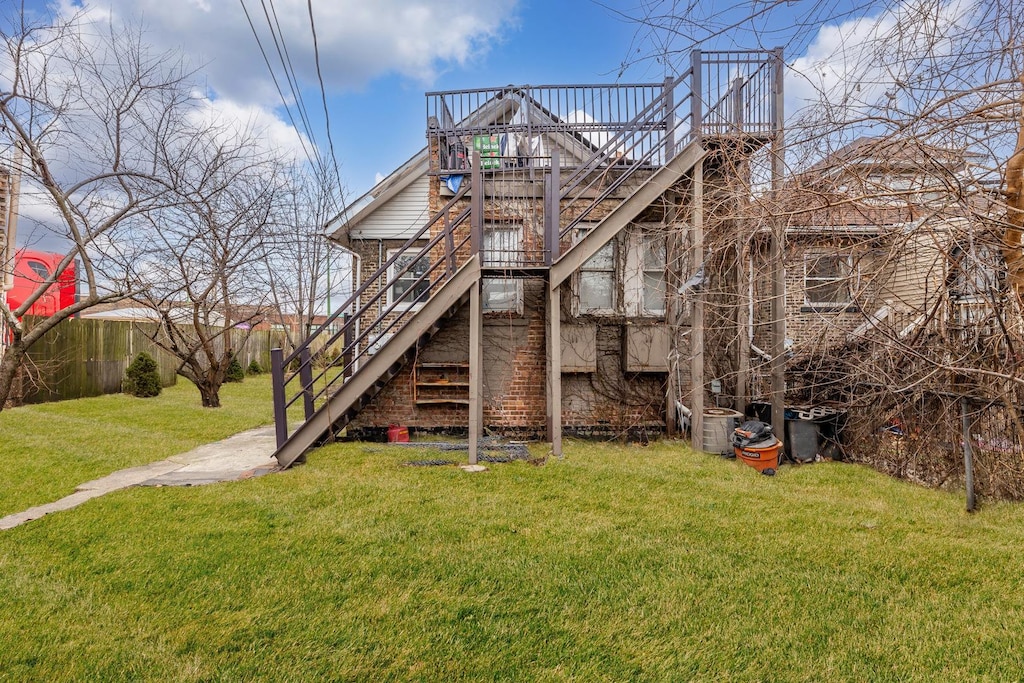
(210, 393)
(9, 366)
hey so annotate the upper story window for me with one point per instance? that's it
(827, 280)
(653, 265)
(400, 283)
(503, 246)
(39, 268)
(597, 280)
(626, 276)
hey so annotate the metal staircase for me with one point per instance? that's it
(361, 347)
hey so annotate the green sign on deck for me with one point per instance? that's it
(490, 150)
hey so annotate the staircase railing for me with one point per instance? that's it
(359, 327)
(728, 93)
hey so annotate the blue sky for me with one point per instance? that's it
(378, 57)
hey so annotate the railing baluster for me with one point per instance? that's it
(306, 379)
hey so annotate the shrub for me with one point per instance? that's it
(142, 378)
(235, 372)
(254, 368)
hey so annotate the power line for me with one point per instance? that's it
(293, 82)
(277, 84)
(323, 99)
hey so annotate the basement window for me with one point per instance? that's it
(404, 292)
(827, 281)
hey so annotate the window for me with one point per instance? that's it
(597, 281)
(503, 246)
(653, 265)
(39, 268)
(631, 266)
(398, 290)
(827, 280)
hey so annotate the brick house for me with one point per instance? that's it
(879, 241)
(521, 274)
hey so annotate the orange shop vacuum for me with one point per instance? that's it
(754, 443)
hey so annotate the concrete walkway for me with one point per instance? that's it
(244, 455)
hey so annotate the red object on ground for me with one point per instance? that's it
(31, 268)
(761, 457)
(398, 434)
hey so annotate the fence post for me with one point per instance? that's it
(277, 379)
(306, 378)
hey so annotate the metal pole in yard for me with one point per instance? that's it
(277, 379)
(968, 456)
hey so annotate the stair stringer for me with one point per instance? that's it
(662, 179)
(371, 376)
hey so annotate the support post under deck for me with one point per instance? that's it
(778, 254)
(475, 371)
(697, 319)
(555, 370)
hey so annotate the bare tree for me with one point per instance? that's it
(199, 265)
(304, 274)
(901, 136)
(91, 114)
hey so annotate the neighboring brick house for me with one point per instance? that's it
(876, 238)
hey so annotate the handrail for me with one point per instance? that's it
(382, 270)
(663, 114)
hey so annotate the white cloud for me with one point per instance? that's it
(861, 63)
(273, 134)
(358, 40)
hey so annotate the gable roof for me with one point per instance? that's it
(496, 110)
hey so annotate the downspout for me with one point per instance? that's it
(357, 270)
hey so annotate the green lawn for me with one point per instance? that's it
(48, 449)
(617, 563)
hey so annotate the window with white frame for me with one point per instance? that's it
(503, 246)
(631, 266)
(597, 281)
(653, 266)
(827, 280)
(400, 283)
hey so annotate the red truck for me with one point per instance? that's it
(31, 268)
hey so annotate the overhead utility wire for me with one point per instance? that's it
(323, 99)
(277, 85)
(286, 63)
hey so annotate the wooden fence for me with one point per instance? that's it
(80, 358)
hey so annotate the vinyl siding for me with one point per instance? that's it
(398, 218)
